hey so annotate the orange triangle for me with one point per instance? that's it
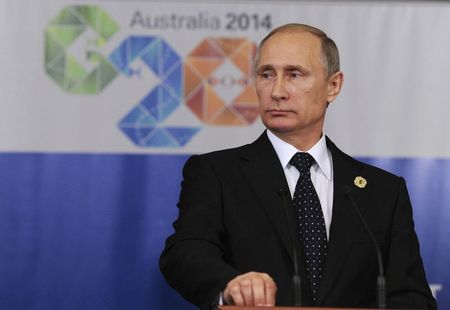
(228, 117)
(213, 103)
(229, 45)
(195, 103)
(248, 97)
(191, 80)
(206, 49)
(204, 66)
(243, 58)
(250, 113)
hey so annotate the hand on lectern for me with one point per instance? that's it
(251, 289)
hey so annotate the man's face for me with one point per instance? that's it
(291, 83)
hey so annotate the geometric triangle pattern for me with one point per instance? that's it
(61, 32)
(215, 81)
(144, 124)
(204, 74)
(144, 131)
(156, 54)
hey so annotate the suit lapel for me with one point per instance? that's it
(345, 222)
(265, 176)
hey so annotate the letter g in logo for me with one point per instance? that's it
(72, 49)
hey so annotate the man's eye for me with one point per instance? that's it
(266, 75)
(295, 75)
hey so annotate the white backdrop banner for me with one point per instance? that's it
(101, 102)
(96, 63)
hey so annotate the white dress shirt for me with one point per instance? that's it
(321, 172)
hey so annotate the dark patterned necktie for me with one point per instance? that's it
(310, 220)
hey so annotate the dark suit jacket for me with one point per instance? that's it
(231, 221)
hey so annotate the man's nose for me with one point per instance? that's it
(279, 90)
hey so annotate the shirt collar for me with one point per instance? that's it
(319, 151)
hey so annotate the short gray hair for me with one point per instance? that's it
(329, 50)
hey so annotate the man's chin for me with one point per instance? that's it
(279, 129)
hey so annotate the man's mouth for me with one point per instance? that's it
(278, 112)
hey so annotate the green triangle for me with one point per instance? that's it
(52, 48)
(98, 20)
(65, 35)
(67, 17)
(88, 85)
(106, 26)
(57, 64)
(106, 74)
(74, 70)
(57, 72)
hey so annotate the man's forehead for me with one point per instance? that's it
(290, 48)
(297, 38)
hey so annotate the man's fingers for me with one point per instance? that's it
(235, 295)
(259, 292)
(251, 289)
(247, 290)
(271, 292)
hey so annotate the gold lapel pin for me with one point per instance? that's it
(360, 182)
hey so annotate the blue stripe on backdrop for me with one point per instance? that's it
(428, 182)
(86, 231)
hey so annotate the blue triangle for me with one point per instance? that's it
(160, 103)
(119, 57)
(168, 57)
(150, 102)
(161, 138)
(173, 81)
(182, 134)
(151, 57)
(167, 104)
(137, 44)
(138, 116)
(138, 135)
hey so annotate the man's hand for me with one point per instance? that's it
(251, 289)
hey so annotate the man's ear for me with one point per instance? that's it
(335, 83)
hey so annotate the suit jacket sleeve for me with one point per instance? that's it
(405, 277)
(193, 259)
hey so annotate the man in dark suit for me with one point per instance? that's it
(233, 243)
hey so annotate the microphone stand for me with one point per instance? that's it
(381, 282)
(296, 281)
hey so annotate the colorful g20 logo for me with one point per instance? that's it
(72, 41)
(214, 81)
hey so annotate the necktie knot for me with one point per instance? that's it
(302, 161)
